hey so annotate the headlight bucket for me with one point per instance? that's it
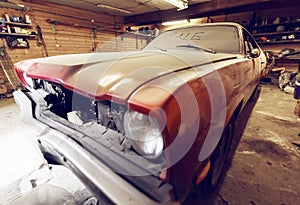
(28, 80)
(144, 133)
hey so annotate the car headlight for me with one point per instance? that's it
(144, 133)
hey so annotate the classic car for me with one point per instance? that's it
(144, 127)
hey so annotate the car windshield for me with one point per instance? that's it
(213, 38)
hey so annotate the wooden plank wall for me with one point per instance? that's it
(73, 32)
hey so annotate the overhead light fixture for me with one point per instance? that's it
(113, 8)
(170, 23)
(180, 4)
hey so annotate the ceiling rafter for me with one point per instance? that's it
(157, 11)
(211, 8)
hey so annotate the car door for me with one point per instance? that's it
(255, 58)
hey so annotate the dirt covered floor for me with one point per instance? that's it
(265, 168)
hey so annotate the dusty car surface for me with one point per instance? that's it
(144, 127)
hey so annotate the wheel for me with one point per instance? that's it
(218, 161)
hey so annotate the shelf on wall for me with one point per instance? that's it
(276, 33)
(18, 24)
(275, 25)
(279, 42)
(18, 35)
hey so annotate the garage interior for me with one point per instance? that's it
(266, 157)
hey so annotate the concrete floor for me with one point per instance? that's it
(264, 169)
(23, 166)
(265, 163)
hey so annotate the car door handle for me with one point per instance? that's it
(262, 62)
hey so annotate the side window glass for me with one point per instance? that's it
(250, 43)
(247, 49)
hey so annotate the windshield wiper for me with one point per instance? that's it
(197, 47)
(162, 49)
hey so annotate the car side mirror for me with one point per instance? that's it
(254, 53)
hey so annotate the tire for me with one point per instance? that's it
(219, 163)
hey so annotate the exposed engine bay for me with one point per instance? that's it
(68, 104)
(91, 117)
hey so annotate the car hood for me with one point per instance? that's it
(107, 75)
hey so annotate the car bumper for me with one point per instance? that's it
(110, 187)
